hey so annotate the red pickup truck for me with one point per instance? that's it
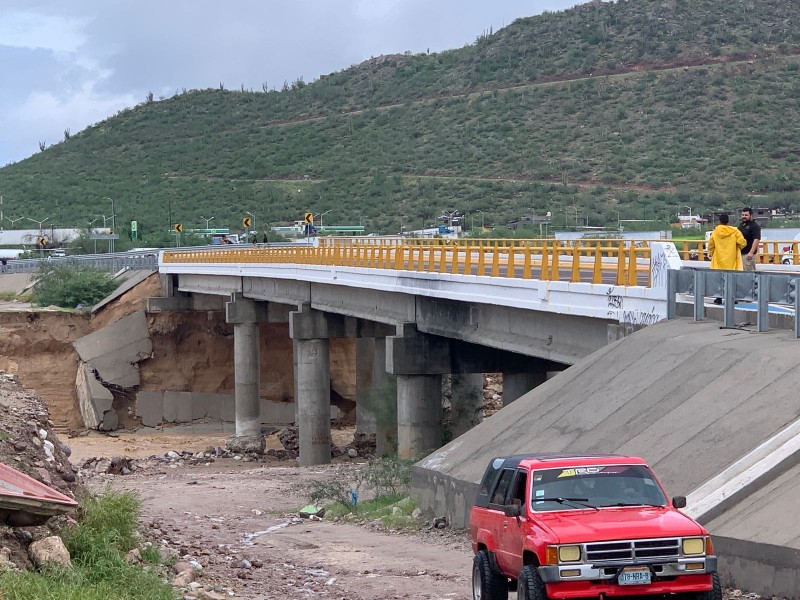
(575, 526)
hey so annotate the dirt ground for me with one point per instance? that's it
(229, 511)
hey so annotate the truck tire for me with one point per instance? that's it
(487, 583)
(715, 593)
(530, 586)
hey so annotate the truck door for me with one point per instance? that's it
(497, 506)
(511, 535)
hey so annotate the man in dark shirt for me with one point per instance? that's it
(752, 235)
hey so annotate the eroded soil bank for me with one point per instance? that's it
(192, 351)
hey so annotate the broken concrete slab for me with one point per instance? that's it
(114, 351)
(156, 408)
(178, 407)
(95, 401)
(150, 408)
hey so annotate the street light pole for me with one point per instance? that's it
(483, 218)
(207, 222)
(40, 223)
(91, 224)
(320, 219)
(113, 224)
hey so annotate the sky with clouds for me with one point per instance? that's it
(68, 64)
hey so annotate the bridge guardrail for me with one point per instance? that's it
(106, 262)
(732, 286)
(624, 262)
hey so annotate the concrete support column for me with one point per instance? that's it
(246, 374)
(516, 385)
(466, 403)
(312, 386)
(245, 315)
(313, 397)
(419, 415)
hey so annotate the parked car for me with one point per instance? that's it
(576, 526)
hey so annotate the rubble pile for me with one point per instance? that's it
(29, 444)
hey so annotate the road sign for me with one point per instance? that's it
(42, 241)
(134, 226)
(178, 228)
(246, 221)
(103, 236)
(309, 218)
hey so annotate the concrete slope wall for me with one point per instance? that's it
(691, 398)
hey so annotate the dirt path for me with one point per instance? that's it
(239, 521)
(229, 512)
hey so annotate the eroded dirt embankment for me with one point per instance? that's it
(192, 351)
(36, 347)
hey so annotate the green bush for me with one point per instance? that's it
(110, 516)
(389, 476)
(106, 530)
(70, 285)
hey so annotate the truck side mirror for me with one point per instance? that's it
(512, 510)
(679, 502)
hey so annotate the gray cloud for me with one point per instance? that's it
(70, 64)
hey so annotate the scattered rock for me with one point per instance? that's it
(133, 557)
(50, 550)
(183, 579)
(246, 444)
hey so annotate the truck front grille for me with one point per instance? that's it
(631, 550)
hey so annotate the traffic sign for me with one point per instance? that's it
(178, 228)
(134, 226)
(246, 221)
(309, 218)
(42, 241)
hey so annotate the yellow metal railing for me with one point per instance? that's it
(613, 261)
(618, 262)
(772, 252)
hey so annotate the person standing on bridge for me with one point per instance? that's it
(725, 246)
(751, 231)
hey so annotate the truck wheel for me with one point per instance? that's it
(530, 586)
(715, 593)
(487, 584)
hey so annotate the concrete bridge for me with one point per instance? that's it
(419, 310)
(710, 405)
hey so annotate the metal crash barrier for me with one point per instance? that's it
(112, 262)
(763, 289)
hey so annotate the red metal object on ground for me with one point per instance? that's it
(25, 501)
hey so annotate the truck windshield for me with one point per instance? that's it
(601, 487)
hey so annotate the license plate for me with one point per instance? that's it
(634, 576)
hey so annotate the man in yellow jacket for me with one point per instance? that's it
(725, 246)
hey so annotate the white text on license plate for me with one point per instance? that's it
(634, 576)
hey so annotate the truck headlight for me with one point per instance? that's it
(569, 553)
(694, 546)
